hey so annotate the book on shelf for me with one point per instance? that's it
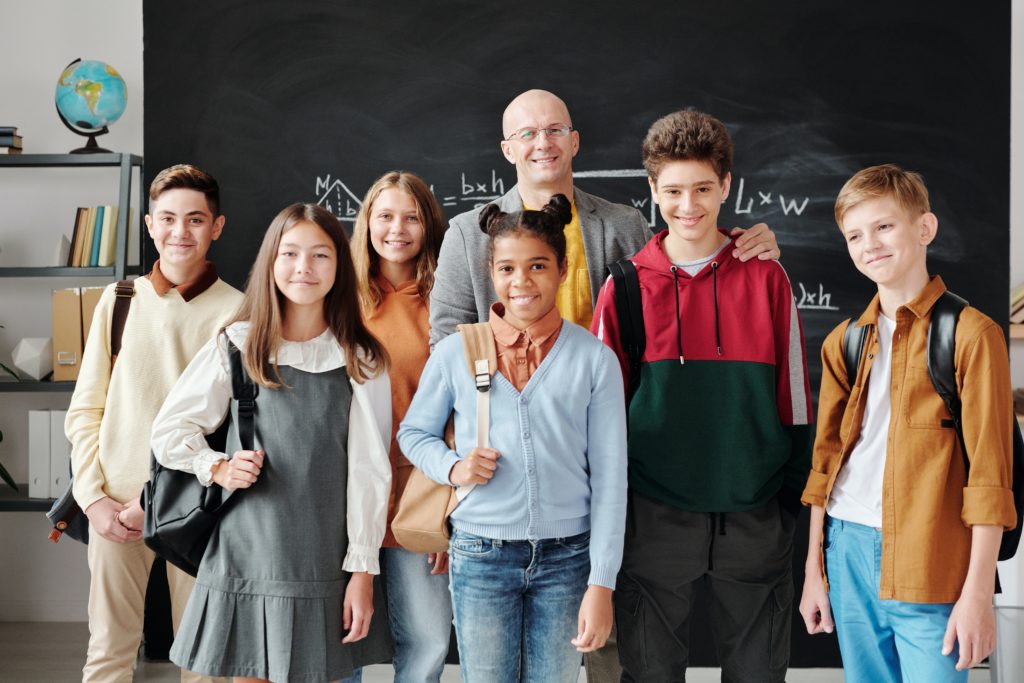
(108, 237)
(8, 130)
(10, 150)
(90, 225)
(10, 141)
(76, 238)
(97, 236)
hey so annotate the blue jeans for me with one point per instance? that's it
(516, 607)
(420, 610)
(881, 640)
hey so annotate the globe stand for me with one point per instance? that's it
(90, 146)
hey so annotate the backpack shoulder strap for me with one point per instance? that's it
(940, 360)
(482, 358)
(629, 310)
(941, 347)
(244, 391)
(124, 291)
(853, 348)
(481, 353)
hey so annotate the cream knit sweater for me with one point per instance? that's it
(111, 414)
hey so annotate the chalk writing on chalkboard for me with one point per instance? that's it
(337, 197)
(334, 195)
(759, 198)
(813, 301)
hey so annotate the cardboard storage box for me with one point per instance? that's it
(67, 334)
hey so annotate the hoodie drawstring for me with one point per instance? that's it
(718, 336)
(679, 316)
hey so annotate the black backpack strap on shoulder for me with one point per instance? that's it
(629, 308)
(941, 367)
(123, 293)
(244, 391)
(853, 348)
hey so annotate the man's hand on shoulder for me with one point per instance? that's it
(758, 240)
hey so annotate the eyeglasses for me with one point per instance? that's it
(530, 134)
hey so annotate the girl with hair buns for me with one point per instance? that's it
(536, 545)
(285, 590)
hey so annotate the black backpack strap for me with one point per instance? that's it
(853, 348)
(629, 308)
(244, 391)
(123, 293)
(941, 368)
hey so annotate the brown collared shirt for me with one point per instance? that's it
(927, 506)
(188, 290)
(520, 352)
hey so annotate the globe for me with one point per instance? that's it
(91, 94)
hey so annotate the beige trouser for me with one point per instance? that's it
(117, 596)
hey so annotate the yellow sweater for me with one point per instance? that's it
(110, 415)
(573, 299)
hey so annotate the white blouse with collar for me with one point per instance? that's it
(201, 398)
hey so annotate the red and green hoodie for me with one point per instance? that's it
(721, 419)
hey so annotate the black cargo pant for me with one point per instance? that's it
(743, 560)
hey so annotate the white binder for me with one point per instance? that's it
(60, 454)
(39, 454)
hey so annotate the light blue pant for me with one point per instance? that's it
(516, 607)
(420, 610)
(881, 640)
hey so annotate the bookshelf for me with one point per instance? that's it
(35, 386)
(18, 501)
(11, 501)
(125, 163)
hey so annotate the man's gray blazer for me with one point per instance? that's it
(463, 292)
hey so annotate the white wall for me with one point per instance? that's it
(40, 580)
(1012, 573)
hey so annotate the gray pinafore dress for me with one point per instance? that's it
(268, 597)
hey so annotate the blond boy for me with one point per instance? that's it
(902, 548)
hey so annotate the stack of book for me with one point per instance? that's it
(10, 141)
(94, 239)
(1017, 304)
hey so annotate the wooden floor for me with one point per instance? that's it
(54, 652)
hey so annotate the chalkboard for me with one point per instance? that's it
(310, 101)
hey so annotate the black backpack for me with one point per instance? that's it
(942, 372)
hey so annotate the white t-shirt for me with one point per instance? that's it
(857, 494)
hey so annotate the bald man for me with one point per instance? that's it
(538, 138)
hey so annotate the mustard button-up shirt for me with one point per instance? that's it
(928, 506)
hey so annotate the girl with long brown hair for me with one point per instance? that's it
(395, 243)
(285, 590)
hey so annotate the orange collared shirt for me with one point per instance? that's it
(520, 352)
(927, 506)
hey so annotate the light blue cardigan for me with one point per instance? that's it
(562, 442)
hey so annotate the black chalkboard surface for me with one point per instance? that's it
(310, 101)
